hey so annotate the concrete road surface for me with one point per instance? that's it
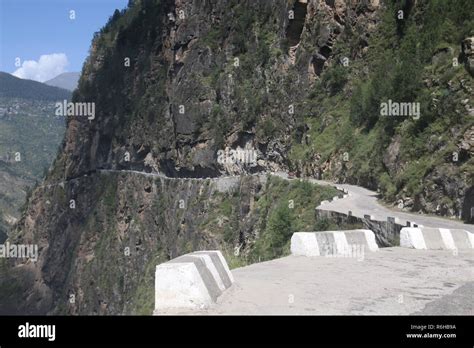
(392, 281)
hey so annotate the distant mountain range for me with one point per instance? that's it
(66, 80)
(14, 87)
(27, 126)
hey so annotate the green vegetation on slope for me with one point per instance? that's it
(30, 135)
(287, 207)
(409, 60)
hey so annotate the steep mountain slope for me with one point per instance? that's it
(67, 81)
(199, 84)
(421, 162)
(302, 83)
(30, 135)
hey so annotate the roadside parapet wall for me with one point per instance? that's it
(387, 233)
(436, 238)
(333, 243)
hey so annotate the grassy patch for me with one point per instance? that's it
(285, 208)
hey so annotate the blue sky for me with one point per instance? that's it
(30, 29)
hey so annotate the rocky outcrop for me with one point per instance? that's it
(468, 53)
(468, 206)
(391, 157)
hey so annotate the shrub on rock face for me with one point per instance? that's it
(280, 226)
(335, 79)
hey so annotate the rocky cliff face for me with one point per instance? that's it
(173, 83)
(203, 76)
(99, 258)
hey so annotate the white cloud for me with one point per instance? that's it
(47, 67)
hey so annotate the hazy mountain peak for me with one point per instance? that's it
(67, 80)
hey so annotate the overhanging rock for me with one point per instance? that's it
(344, 243)
(191, 281)
(436, 238)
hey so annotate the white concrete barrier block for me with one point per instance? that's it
(328, 243)
(213, 269)
(220, 264)
(436, 238)
(341, 242)
(447, 238)
(470, 236)
(305, 244)
(191, 281)
(370, 239)
(412, 237)
(226, 266)
(180, 285)
(462, 239)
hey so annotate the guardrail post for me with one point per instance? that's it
(390, 225)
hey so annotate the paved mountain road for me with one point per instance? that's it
(392, 281)
(362, 201)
